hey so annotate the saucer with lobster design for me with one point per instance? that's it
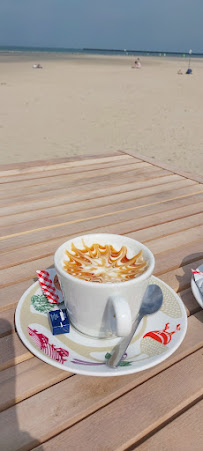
(158, 336)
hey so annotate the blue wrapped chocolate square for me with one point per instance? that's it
(59, 321)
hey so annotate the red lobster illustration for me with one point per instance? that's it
(42, 342)
(162, 336)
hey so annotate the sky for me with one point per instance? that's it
(164, 25)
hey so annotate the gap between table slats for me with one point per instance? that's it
(160, 226)
(159, 198)
(157, 245)
(120, 420)
(62, 174)
(142, 216)
(93, 407)
(89, 191)
(32, 375)
(42, 190)
(87, 175)
(102, 205)
(77, 183)
(46, 165)
(50, 210)
(182, 433)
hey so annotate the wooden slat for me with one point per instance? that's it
(12, 275)
(101, 224)
(9, 296)
(151, 204)
(100, 188)
(26, 379)
(182, 434)
(103, 205)
(101, 180)
(81, 222)
(51, 161)
(189, 301)
(7, 315)
(181, 256)
(84, 185)
(94, 192)
(46, 165)
(175, 240)
(26, 271)
(170, 260)
(87, 395)
(18, 256)
(32, 376)
(62, 174)
(7, 322)
(179, 279)
(168, 228)
(59, 176)
(85, 174)
(177, 397)
(59, 184)
(167, 166)
(12, 351)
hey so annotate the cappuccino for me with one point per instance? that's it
(103, 263)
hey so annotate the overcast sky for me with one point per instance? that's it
(171, 25)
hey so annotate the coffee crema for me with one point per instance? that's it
(103, 264)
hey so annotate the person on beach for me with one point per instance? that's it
(137, 64)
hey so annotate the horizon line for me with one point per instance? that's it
(91, 49)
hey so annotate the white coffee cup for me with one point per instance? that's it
(103, 309)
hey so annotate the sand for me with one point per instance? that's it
(78, 105)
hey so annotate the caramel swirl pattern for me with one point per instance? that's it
(102, 264)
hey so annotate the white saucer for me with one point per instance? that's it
(195, 289)
(157, 337)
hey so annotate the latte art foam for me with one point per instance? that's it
(102, 264)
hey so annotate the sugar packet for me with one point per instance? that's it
(50, 285)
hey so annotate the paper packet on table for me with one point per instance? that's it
(198, 278)
(58, 319)
(50, 285)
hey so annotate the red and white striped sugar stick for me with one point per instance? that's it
(48, 287)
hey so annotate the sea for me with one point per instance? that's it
(7, 50)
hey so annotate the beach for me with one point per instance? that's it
(82, 104)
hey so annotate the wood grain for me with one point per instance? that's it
(24, 271)
(82, 185)
(82, 222)
(89, 207)
(47, 165)
(180, 278)
(32, 376)
(182, 434)
(50, 210)
(50, 161)
(43, 205)
(124, 410)
(18, 256)
(7, 322)
(21, 381)
(12, 351)
(59, 176)
(85, 175)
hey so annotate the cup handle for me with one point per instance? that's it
(120, 319)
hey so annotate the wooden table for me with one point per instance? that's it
(44, 203)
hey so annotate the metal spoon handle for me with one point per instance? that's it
(121, 347)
